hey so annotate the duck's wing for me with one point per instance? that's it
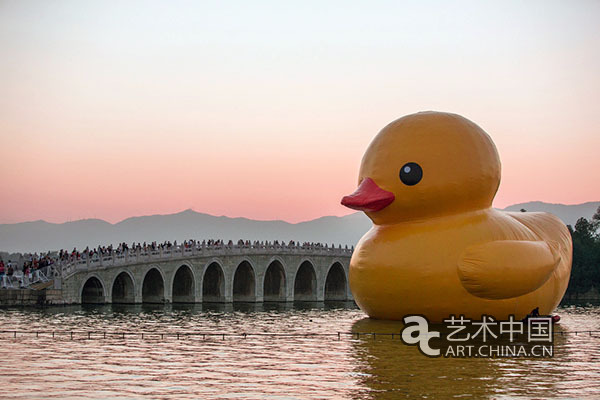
(504, 269)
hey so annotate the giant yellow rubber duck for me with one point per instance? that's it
(437, 247)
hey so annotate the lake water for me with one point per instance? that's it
(37, 365)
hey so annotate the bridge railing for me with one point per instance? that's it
(133, 256)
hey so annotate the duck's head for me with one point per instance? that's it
(426, 165)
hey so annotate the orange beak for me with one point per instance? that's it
(368, 197)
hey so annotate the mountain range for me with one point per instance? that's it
(347, 230)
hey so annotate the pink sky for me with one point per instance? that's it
(111, 111)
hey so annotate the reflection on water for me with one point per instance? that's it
(391, 369)
(263, 366)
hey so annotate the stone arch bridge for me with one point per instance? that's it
(221, 274)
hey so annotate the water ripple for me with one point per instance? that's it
(265, 367)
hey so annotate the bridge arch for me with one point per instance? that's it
(183, 284)
(336, 283)
(244, 282)
(153, 286)
(93, 290)
(305, 282)
(218, 275)
(274, 281)
(123, 288)
(213, 282)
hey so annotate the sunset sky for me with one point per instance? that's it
(263, 109)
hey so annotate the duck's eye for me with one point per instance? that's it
(411, 173)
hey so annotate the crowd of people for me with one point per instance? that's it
(30, 264)
(109, 250)
(124, 248)
(26, 269)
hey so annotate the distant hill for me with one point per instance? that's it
(568, 213)
(189, 224)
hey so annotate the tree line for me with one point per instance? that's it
(585, 273)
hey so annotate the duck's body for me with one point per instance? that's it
(415, 268)
(466, 258)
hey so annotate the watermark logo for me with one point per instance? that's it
(488, 337)
(416, 331)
